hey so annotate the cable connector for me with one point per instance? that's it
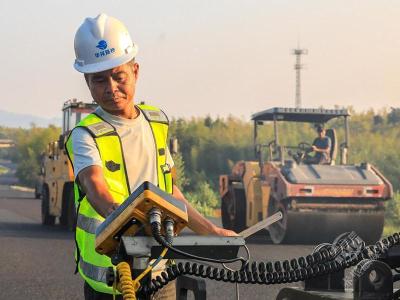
(155, 215)
(169, 230)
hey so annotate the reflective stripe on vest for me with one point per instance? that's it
(92, 265)
(87, 224)
(159, 126)
(93, 272)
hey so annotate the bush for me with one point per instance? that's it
(181, 181)
(3, 170)
(392, 213)
(27, 169)
(204, 199)
(30, 144)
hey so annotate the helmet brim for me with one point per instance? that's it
(106, 65)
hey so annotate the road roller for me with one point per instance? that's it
(318, 201)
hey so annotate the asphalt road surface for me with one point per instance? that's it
(37, 261)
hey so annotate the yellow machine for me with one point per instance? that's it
(56, 186)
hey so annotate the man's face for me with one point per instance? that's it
(114, 89)
(321, 133)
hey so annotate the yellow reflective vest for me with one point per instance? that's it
(91, 265)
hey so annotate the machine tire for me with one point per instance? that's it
(38, 193)
(240, 210)
(278, 230)
(226, 215)
(68, 213)
(233, 210)
(47, 219)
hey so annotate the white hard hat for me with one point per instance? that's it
(102, 43)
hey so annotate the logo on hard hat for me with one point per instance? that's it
(102, 45)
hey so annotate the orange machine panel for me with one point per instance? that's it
(136, 208)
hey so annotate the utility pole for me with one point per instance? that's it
(298, 52)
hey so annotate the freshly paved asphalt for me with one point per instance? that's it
(37, 261)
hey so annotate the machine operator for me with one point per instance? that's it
(116, 148)
(322, 147)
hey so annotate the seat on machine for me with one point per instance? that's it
(331, 133)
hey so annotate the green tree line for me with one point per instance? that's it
(30, 144)
(209, 147)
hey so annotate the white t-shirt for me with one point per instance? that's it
(137, 143)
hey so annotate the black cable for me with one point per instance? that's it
(247, 259)
(321, 262)
(257, 273)
(396, 295)
(156, 231)
(396, 277)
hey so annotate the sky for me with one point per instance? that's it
(210, 57)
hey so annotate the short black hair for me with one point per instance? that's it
(319, 128)
(131, 63)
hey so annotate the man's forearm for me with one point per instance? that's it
(96, 190)
(101, 200)
(321, 150)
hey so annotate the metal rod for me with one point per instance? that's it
(276, 130)
(255, 138)
(261, 225)
(237, 291)
(347, 129)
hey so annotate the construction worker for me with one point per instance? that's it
(116, 148)
(321, 146)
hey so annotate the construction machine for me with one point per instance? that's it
(318, 201)
(57, 185)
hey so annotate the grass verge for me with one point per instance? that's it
(3, 170)
(389, 229)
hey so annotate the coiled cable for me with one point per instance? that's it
(324, 261)
(126, 286)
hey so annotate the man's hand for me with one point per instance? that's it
(322, 150)
(224, 232)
